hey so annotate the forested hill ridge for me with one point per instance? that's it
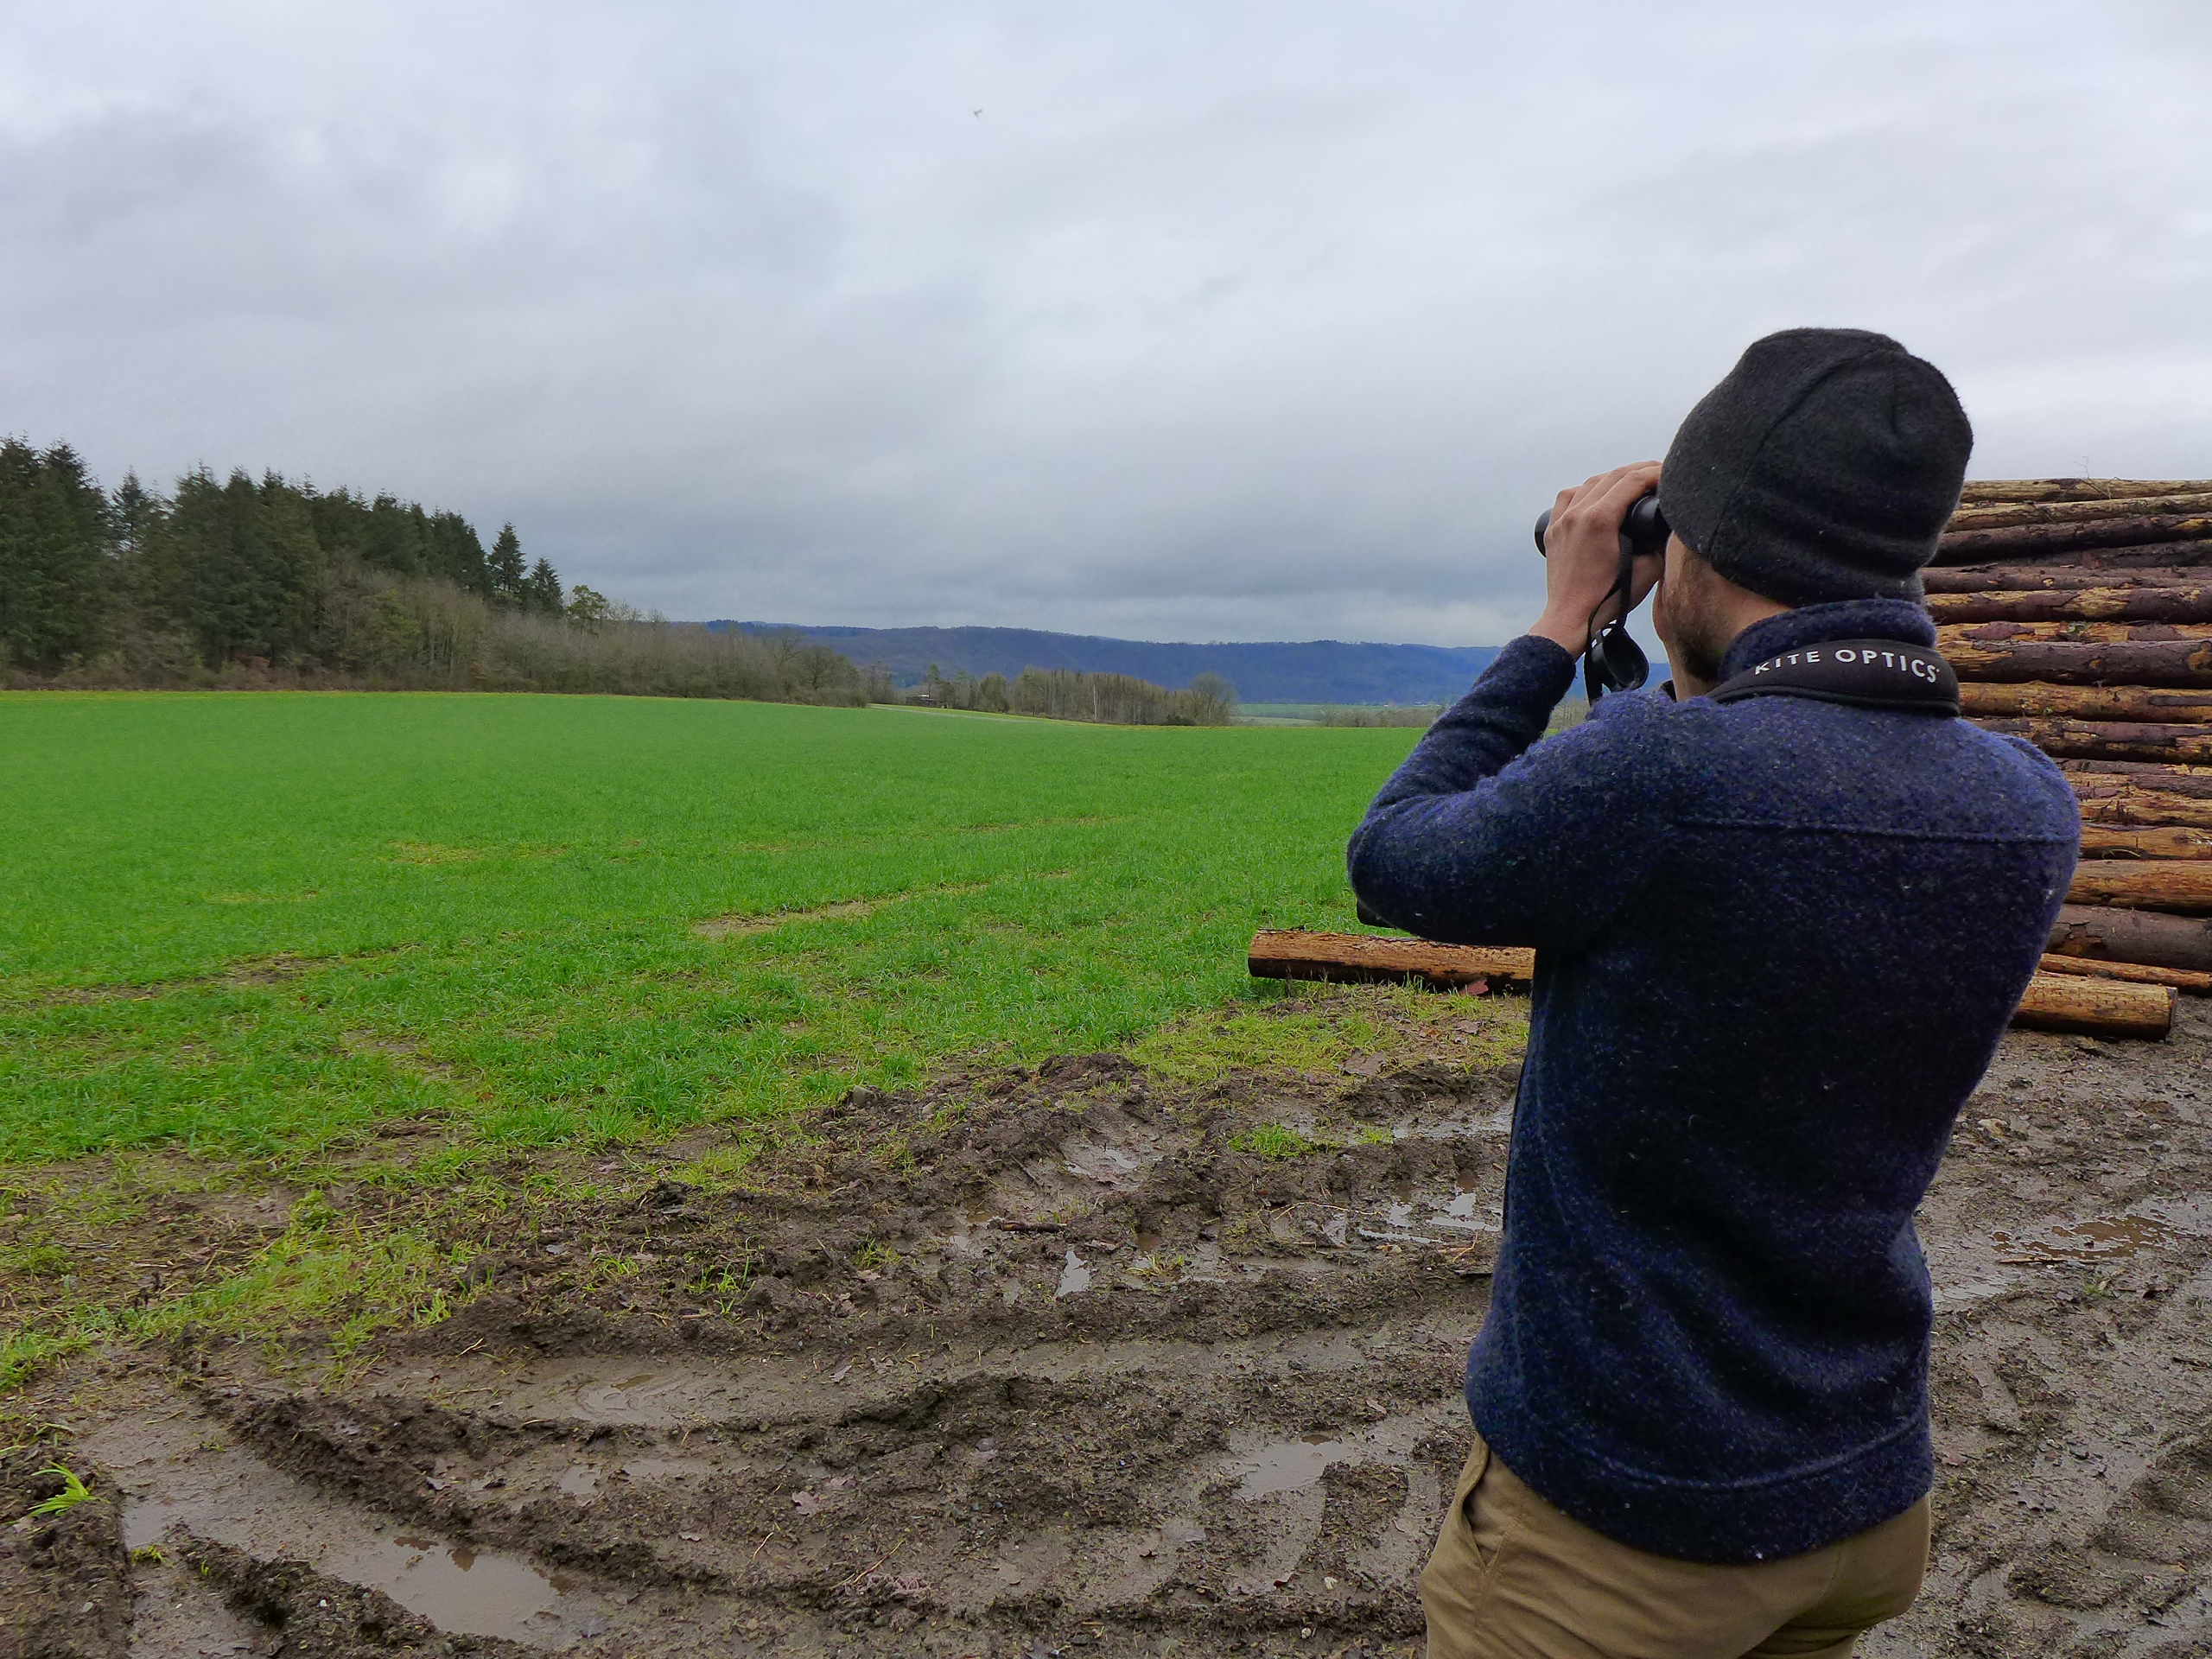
(1317, 670)
(240, 582)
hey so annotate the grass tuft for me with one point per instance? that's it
(1276, 1141)
(74, 1491)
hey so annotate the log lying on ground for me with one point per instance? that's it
(2178, 886)
(1989, 546)
(2160, 662)
(2053, 1002)
(2147, 809)
(2138, 604)
(2102, 934)
(1979, 491)
(1363, 958)
(2155, 705)
(2004, 515)
(2103, 1008)
(2108, 739)
(2066, 632)
(2191, 555)
(2138, 774)
(2054, 578)
(2169, 841)
(2134, 973)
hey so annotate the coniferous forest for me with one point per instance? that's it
(235, 583)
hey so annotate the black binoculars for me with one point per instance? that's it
(1644, 532)
(1614, 662)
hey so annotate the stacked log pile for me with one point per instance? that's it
(2078, 614)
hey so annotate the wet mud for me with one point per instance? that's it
(1063, 1360)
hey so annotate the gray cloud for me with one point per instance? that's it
(1250, 321)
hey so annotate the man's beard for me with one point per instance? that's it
(1700, 649)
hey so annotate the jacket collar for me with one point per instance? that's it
(1903, 619)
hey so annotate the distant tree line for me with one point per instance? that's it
(1067, 694)
(240, 582)
(1394, 714)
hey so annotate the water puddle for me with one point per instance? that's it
(1292, 1465)
(171, 1473)
(1977, 1267)
(462, 1591)
(2100, 1240)
(1267, 1468)
(1075, 1277)
(1463, 1214)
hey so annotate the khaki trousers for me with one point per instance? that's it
(1513, 1577)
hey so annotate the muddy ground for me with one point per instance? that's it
(1063, 1360)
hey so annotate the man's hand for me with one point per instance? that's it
(1582, 557)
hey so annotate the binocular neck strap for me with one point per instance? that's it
(1866, 673)
(1613, 661)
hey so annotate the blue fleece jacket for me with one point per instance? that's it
(1777, 943)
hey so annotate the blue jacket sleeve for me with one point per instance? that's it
(1478, 839)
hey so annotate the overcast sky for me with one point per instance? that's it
(1228, 320)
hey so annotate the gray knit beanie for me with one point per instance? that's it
(1823, 468)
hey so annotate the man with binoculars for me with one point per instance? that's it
(1701, 1394)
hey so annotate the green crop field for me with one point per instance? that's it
(254, 926)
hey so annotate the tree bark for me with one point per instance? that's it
(2064, 632)
(2134, 973)
(2157, 705)
(2147, 809)
(2178, 887)
(2140, 604)
(2053, 578)
(2108, 739)
(2140, 774)
(2103, 1008)
(2194, 553)
(2160, 662)
(1982, 491)
(2103, 934)
(1356, 958)
(2005, 515)
(2173, 840)
(1986, 546)
(2143, 774)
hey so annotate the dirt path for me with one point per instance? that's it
(1069, 1363)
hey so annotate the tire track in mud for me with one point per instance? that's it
(1232, 1431)
(1112, 1385)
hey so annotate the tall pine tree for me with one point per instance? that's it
(56, 557)
(542, 591)
(506, 569)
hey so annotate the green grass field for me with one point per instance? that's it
(253, 926)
